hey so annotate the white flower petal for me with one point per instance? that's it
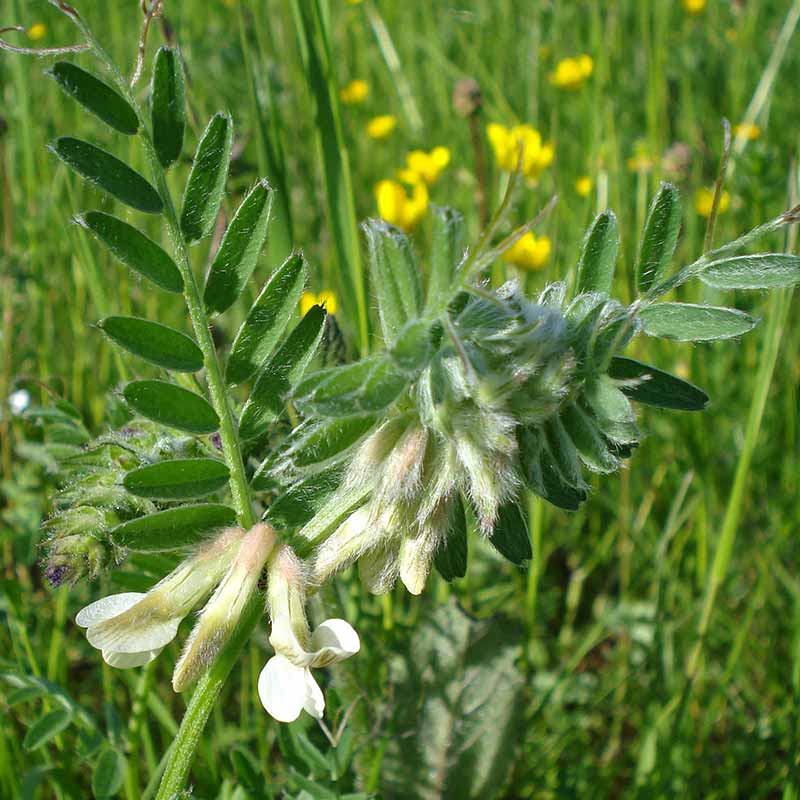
(107, 608)
(282, 688)
(334, 640)
(128, 660)
(314, 702)
(133, 635)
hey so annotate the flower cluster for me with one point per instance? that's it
(520, 146)
(529, 252)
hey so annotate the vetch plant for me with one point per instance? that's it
(479, 395)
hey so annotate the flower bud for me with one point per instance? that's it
(73, 557)
(221, 614)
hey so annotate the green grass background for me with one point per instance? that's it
(613, 606)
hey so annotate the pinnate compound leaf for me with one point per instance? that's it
(96, 96)
(285, 368)
(108, 173)
(510, 534)
(599, 255)
(171, 405)
(266, 320)
(685, 322)
(451, 557)
(177, 479)
(654, 387)
(660, 237)
(236, 258)
(46, 727)
(364, 387)
(172, 529)
(762, 271)
(457, 714)
(154, 342)
(134, 249)
(169, 106)
(108, 774)
(206, 184)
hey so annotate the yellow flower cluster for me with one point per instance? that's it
(354, 92)
(381, 127)
(704, 200)
(529, 252)
(309, 299)
(571, 73)
(694, 6)
(509, 143)
(404, 202)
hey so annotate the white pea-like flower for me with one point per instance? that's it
(286, 686)
(18, 401)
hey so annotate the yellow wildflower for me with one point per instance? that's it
(354, 92)
(749, 130)
(641, 160)
(529, 252)
(694, 6)
(381, 127)
(704, 199)
(507, 144)
(427, 166)
(37, 31)
(309, 299)
(570, 73)
(400, 207)
(583, 186)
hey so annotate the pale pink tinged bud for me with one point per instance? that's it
(221, 614)
(403, 474)
(378, 569)
(417, 552)
(352, 538)
(286, 592)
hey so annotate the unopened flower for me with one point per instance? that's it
(131, 629)
(354, 92)
(571, 73)
(401, 206)
(509, 144)
(747, 130)
(324, 298)
(529, 252)
(428, 166)
(18, 401)
(286, 686)
(583, 186)
(37, 31)
(221, 614)
(704, 200)
(694, 6)
(381, 127)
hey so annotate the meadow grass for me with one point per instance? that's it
(661, 648)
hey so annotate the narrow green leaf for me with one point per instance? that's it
(133, 249)
(46, 727)
(366, 386)
(611, 410)
(285, 368)
(236, 258)
(684, 322)
(299, 504)
(266, 320)
(318, 441)
(585, 433)
(660, 237)
(413, 347)
(168, 106)
(108, 173)
(599, 255)
(154, 342)
(96, 96)
(447, 250)
(395, 276)
(451, 557)
(172, 529)
(654, 387)
(177, 479)
(171, 405)
(762, 271)
(108, 774)
(510, 534)
(206, 184)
